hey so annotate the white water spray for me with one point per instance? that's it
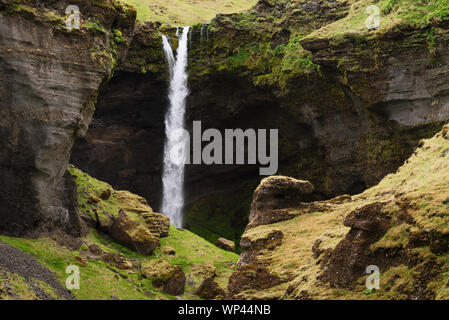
(174, 157)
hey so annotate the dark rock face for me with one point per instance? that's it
(125, 141)
(49, 83)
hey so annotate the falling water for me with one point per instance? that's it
(174, 157)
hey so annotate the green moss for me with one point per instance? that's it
(431, 40)
(239, 60)
(118, 36)
(20, 9)
(388, 6)
(100, 280)
(95, 26)
(90, 190)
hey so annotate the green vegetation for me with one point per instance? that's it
(100, 280)
(414, 197)
(94, 26)
(394, 13)
(90, 200)
(20, 9)
(182, 12)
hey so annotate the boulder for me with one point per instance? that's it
(175, 285)
(202, 271)
(106, 194)
(277, 192)
(168, 250)
(226, 244)
(209, 290)
(82, 262)
(157, 223)
(116, 260)
(172, 279)
(95, 250)
(132, 234)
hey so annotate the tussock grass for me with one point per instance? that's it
(186, 12)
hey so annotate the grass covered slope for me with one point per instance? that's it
(103, 280)
(326, 247)
(186, 12)
(393, 14)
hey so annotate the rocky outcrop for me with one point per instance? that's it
(226, 244)
(277, 192)
(171, 278)
(133, 235)
(271, 201)
(50, 78)
(351, 256)
(209, 290)
(157, 223)
(398, 228)
(252, 246)
(252, 277)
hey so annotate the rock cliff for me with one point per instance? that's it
(50, 80)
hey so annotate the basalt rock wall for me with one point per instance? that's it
(50, 77)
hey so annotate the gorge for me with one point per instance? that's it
(352, 107)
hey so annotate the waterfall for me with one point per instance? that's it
(174, 157)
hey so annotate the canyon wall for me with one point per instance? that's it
(350, 106)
